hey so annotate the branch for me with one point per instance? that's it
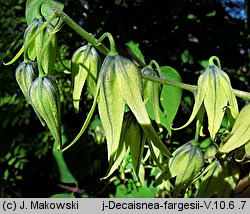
(99, 46)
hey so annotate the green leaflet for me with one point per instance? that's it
(170, 98)
(47, 10)
(62, 172)
(162, 102)
(84, 65)
(130, 85)
(111, 105)
(45, 97)
(134, 47)
(240, 133)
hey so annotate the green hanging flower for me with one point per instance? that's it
(186, 163)
(215, 92)
(121, 84)
(84, 66)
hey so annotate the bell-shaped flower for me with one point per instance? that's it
(121, 85)
(215, 92)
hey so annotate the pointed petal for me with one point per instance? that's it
(111, 105)
(240, 133)
(214, 101)
(199, 97)
(130, 84)
(228, 90)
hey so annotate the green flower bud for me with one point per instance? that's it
(186, 163)
(130, 84)
(132, 138)
(121, 84)
(45, 97)
(25, 74)
(84, 66)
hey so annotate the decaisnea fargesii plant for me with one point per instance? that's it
(130, 98)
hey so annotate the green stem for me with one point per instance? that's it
(241, 94)
(78, 29)
(90, 38)
(86, 123)
(20, 52)
(112, 51)
(154, 156)
(153, 62)
(211, 61)
(165, 81)
(40, 70)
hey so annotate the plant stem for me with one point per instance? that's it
(99, 46)
(78, 29)
(112, 51)
(211, 59)
(165, 81)
(242, 94)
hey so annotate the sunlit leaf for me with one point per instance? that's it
(170, 98)
(47, 11)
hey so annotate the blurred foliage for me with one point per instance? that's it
(182, 34)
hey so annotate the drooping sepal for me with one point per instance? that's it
(111, 105)
(84, 66)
